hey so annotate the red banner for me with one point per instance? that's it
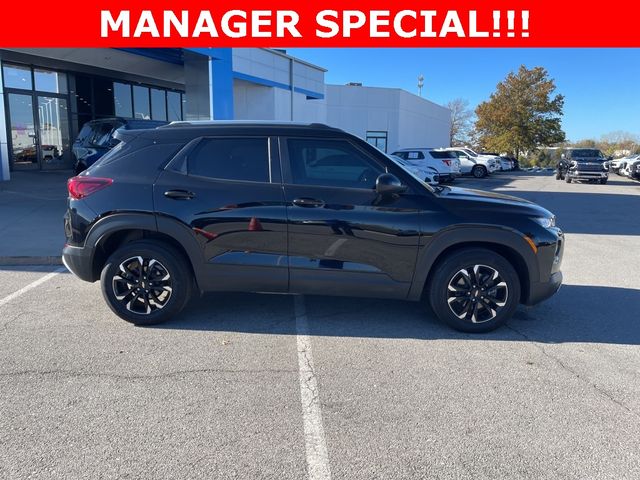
(286, 23)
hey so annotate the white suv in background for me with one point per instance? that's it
(445, 163)
(471, 163)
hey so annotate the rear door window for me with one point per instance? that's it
(238, 159)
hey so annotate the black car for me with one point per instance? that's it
(304, 209)
(583, 165)
(97, 137)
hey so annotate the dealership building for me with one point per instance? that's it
(48, 94)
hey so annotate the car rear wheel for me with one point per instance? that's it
(146, 282)
(479, 171)
(475, 290)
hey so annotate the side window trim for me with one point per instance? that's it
(286, 160)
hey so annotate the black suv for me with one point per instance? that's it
(97, 137)
(583, 165)
(304, 209)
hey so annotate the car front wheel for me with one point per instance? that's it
(146, 282)
(475, 290)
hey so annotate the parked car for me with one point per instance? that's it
(445, 163)
(631, 167)
(97, 137)
(478, 166)
(505, 164)
(494, 160)
(634, 171)
(306, 209)
(620, 163)
(423, 172)
(582, 164)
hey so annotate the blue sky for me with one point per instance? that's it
(601, 86)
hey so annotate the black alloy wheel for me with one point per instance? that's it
(146, 282)
(474, 290)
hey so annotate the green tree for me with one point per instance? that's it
(522, 114)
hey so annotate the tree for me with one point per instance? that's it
(461, 117)
(522, 114)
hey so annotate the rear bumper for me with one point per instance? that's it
(79, 261)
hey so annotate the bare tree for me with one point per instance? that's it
(461, 116)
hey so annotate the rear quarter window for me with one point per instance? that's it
(132, 158)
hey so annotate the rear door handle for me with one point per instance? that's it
(179, 194)
(308, 202)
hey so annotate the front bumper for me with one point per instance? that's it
(540, 291)
(577, 175)
(79, 261)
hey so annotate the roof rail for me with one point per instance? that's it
(204, 123)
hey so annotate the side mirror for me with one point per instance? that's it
(388, 184)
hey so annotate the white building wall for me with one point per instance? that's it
(262, 91)
(253, 102)
(409, 120)
(361, 109)
(422, 123)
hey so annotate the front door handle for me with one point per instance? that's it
(179, 194)
(308, 202)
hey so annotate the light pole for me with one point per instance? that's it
(420, 84)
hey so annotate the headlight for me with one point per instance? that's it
(545, 222)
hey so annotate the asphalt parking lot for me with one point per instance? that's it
(273, 386)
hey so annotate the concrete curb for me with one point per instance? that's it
(30, 260)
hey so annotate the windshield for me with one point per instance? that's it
(470, 152)
(407, 167)
(586, 153)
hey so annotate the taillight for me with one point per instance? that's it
(80, 187)
(447, 162)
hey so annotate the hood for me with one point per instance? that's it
(466, 199)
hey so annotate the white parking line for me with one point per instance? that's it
(316, 448)
(31, 286)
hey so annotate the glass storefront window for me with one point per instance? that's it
(174, 106)
(53, 133)
(122, 99)
(141, 108)
(158, 104)
(103, 97)
(48, 81)
(16, 76)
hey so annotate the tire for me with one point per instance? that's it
(558, 176)
(479, 171)
(503, 298)
(174, 292)
(603, 181)
(567, 179)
